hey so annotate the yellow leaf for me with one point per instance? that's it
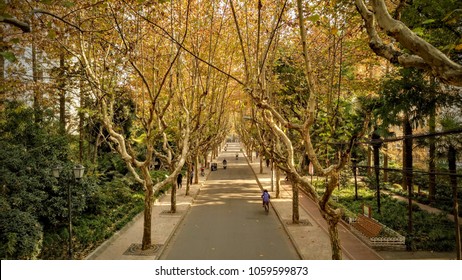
(458, 47)
(140, 139)
(334, 30)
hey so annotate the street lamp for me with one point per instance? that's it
(78, 171)
(78, 174)
(376, 143)
(56, 171)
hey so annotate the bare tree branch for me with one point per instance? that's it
(423, 55)
(24, 26)
(246, 66)
(40, 11)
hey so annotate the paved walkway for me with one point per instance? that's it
(310, 237)
(227, 220)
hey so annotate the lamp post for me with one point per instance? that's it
(376, 143)
(78, 174)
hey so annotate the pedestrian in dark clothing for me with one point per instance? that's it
(192, 177)
(179, 180)
(267, 162)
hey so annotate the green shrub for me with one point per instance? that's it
(111, 207)
(21, 235)
(431, 232)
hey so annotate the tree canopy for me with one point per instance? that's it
(168, 81)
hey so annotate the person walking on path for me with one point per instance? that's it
(191, 176)
(179, 180)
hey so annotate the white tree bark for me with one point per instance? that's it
(422, 54)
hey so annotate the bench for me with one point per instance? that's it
(367, 226)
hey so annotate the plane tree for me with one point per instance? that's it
(257, 75)
(210, 91)
(120, 58)
(133, 48)
(412, 51)
(439, 23)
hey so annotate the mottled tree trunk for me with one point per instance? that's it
(148, 197)
(261, 164)
(278, 182)
(249, 153)
(196, 169)
(334, 240)
(206, 160)
(188, 174)
(420, 54)
(332, 216)
(173, 199)
(295, 203)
